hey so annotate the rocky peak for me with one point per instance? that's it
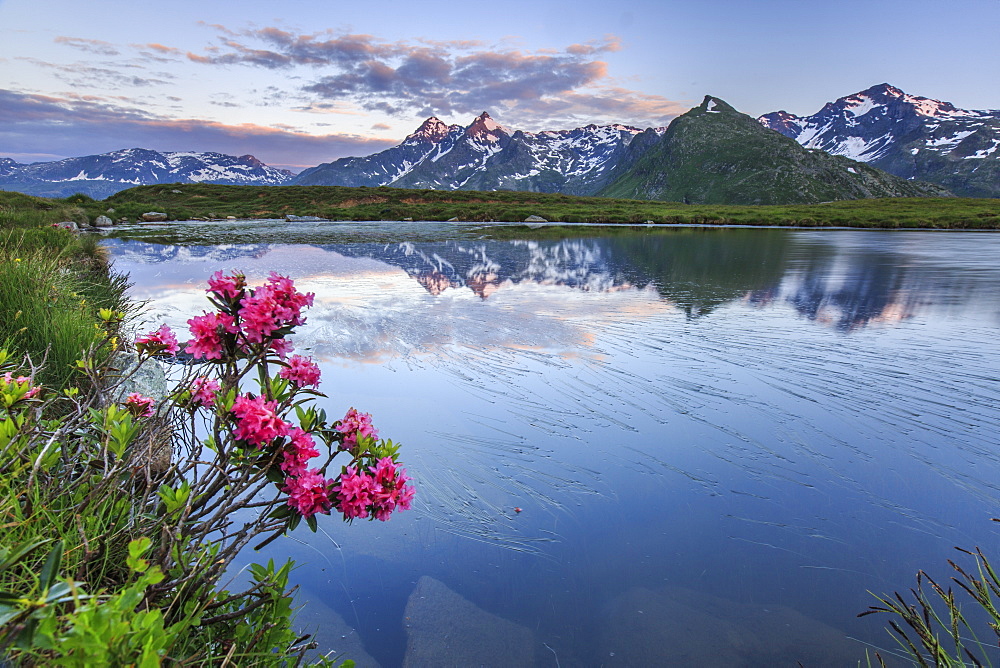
(433, 130)
(485, 128)
(714, 105)
(251, 160)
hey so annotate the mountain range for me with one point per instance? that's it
(880, 142)
(107, 173)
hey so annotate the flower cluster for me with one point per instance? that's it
(301, 372)
(18, 387)
(139, 405)
(161, 341)
(251, 325)
(355, 425)
(204, 391)
(247, 318)
(258, 422)
(376, 491)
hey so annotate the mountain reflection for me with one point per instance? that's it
(838, 279)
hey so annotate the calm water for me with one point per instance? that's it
(720, 440)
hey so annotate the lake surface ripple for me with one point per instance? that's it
(719, 440)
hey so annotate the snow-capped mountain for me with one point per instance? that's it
(107, 173)
(906, 135)
(485, 156)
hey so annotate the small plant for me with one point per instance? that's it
(937, 625)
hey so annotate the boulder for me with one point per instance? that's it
(453, 220)
(111, 210)
(535, 219)
(67, 225)
(153, 447)
(153, 217)
(447, 631)
(102, 221)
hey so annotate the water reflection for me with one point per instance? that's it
(724, 426)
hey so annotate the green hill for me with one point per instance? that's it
(715, 155)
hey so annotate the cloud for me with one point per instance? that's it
(82, 75)
(74, 125)
(95, 46)
(443, 78)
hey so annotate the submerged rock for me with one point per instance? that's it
(447, 631)
(331, 634)
(674, 626)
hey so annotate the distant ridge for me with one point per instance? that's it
(910, 136)
(107, 173)
(485, 156)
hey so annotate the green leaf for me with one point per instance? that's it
(11, 557)
(50, 571)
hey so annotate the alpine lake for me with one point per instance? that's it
(652, 446)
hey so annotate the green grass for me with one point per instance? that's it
(208, 201)
(52, 285)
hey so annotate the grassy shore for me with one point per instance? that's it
(187, 201)
(53, 283)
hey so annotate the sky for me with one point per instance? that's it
(301, 82)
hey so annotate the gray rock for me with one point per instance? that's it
(692, 629)
(447, 631)
(111, 210)
(177, 192)
(153, 217)
(153, 447)
(535, 219)
(102, 221)
(453, 220)
(68, 225)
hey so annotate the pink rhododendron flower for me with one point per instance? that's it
(354, 493)
(301, 371)
(377, 492)
(203, 391)
(272, 306)
(392, 490)
(139, 404)
(283, 347)
(226, 287)
(159, 341)
(208, 330)
(308, 493)
(300, 449)
(258, 422)
(8, 379)
(355, 425)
